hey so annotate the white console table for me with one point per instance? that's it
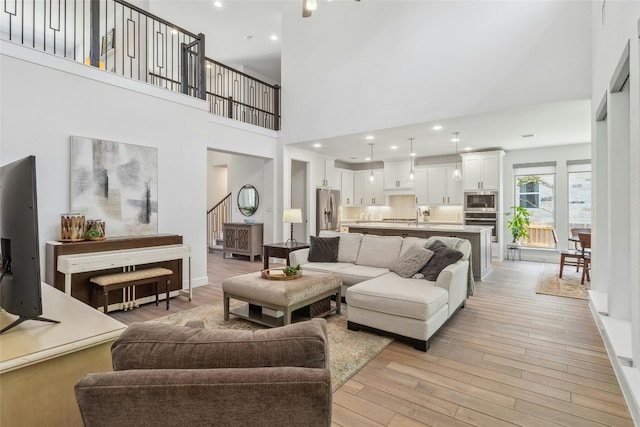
(40, 362)
(93, 261)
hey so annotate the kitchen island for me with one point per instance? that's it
(479, 236)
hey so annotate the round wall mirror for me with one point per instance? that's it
(248, 200)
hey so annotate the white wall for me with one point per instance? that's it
(560, 154)
(616, 149)
(380, 64)
(46, 99)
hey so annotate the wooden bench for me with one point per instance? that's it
(112, 282)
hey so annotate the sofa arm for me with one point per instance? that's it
(204, 397)
(161, 346)
(299, 257)
(454, 279)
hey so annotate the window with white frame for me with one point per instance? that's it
(579, 194)
(535, 191)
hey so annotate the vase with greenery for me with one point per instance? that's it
(519, 223)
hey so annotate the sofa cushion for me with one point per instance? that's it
(462, 245)
(379, 251)
(162, 346)
(443, 255)
(325, 267)
(323, 249)
(398, 296)
(412, 261)
(408, 242)
(348, 247)
(357, 273)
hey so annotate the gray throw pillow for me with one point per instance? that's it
(442, 257)
(411, 261)
(323, 249)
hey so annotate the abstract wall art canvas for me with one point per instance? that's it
(117, 183)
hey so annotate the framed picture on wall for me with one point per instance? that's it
(108, 42)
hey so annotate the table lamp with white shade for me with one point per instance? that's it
(292, 216)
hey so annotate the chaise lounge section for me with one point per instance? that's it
(379, 298)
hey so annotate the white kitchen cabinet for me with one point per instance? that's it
(327, 175)
(346, 188)
(442, 189)
(396, 175)
(420, 185)
(366, 192)
(482, 171)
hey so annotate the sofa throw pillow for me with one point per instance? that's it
(442, 257)
(412, 261)
(323, 249)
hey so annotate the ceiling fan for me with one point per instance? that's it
(308, 6)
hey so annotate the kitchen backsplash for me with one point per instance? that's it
(402, 207)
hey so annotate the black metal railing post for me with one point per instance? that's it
(184, 72)
(94, 33)
(230, 107)
(202, 68)
(276, 107)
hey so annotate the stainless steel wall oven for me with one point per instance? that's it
(489, 219)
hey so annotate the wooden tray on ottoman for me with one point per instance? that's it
(266, 274)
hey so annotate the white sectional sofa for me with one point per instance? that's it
(381, 300)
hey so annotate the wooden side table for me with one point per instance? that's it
(279, 250)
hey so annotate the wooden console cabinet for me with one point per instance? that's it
(242, 239)
(80, 287)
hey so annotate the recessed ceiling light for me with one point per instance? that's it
(437, 127)
(394, 147)
(274, 37)
(317, 145)
(367, 159)
(467, 148)
(217, 3)
(412, 154)
(369, 137)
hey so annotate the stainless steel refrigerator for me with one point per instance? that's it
(327, 210)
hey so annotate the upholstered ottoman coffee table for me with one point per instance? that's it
(309, 296)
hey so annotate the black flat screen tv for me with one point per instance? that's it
(20, 286)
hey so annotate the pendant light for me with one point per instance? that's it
(371, 177)
(457, 175)
(411, 156)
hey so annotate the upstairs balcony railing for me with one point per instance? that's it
(123, 39)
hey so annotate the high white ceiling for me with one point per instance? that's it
(491, 70)
(550, 124)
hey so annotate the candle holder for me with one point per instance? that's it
(72, 227)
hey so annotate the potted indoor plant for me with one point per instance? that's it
(518, 224)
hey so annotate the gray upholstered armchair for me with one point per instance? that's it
(181, 376)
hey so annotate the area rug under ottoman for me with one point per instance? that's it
(348, 350)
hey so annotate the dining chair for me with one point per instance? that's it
(572, 257)
(585, 244)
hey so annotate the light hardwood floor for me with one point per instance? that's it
(511, 357)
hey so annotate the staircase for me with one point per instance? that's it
(216, 217)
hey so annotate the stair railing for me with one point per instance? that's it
(123, 39)
(216, 217)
